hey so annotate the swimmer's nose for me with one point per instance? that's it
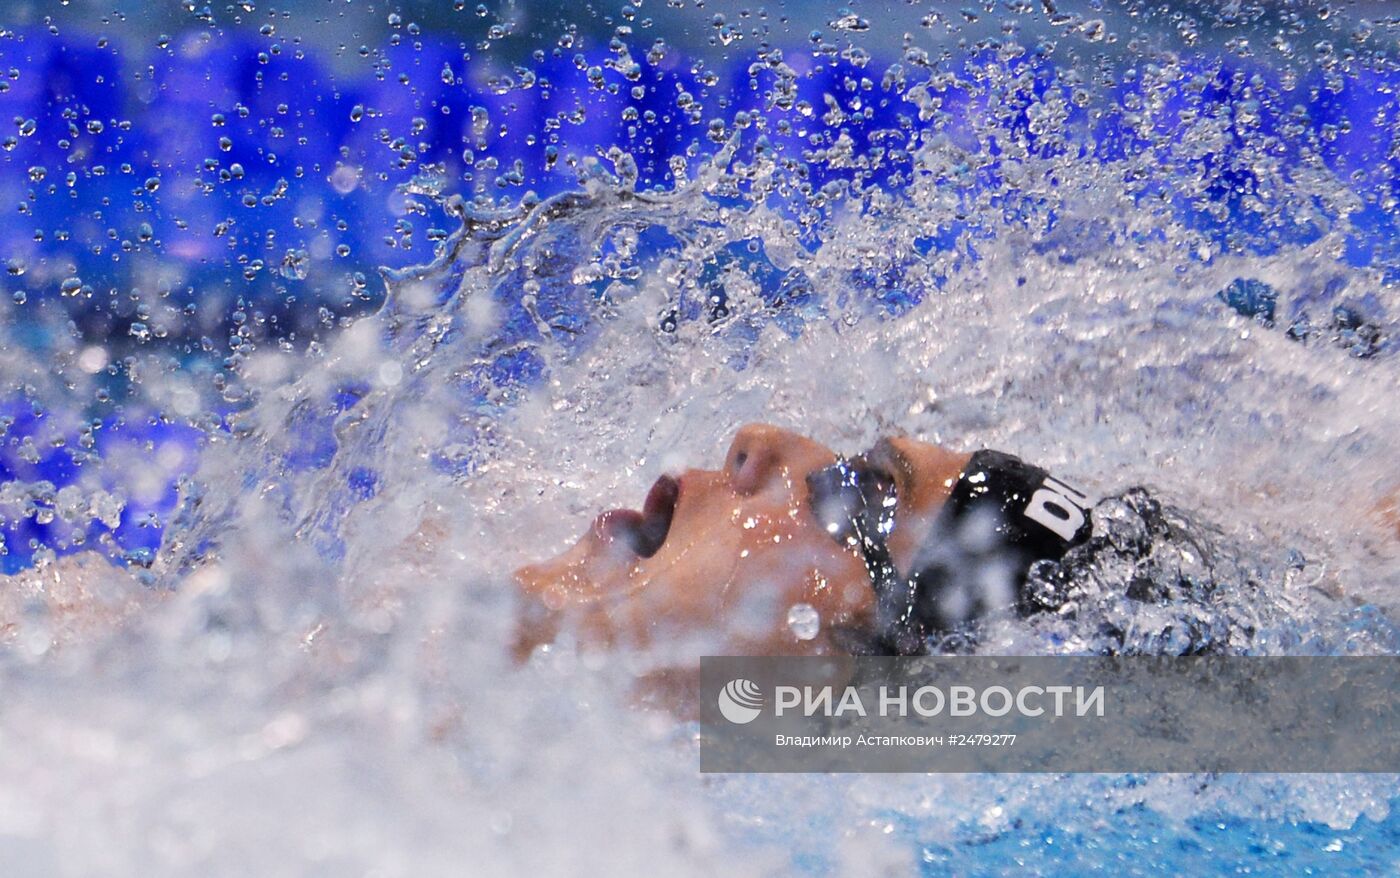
(762, 453)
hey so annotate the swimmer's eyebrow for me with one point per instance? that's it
(885, 457)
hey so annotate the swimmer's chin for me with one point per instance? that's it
(590, 584)
(573, 585)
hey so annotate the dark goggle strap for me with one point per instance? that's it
(1038, 517)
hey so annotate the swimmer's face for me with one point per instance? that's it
(727, 561)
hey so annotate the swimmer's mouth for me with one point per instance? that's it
(645, 531)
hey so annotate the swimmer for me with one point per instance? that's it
(792, 550)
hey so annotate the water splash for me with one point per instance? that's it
(1016, 244)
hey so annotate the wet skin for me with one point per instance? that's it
(715, 559)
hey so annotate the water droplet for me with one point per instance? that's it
(848, 21)
(803, 621)
(295, 264)
(93, 359)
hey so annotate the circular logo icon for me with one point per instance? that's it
(740, 701)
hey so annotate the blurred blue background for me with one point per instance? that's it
(185, 183)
